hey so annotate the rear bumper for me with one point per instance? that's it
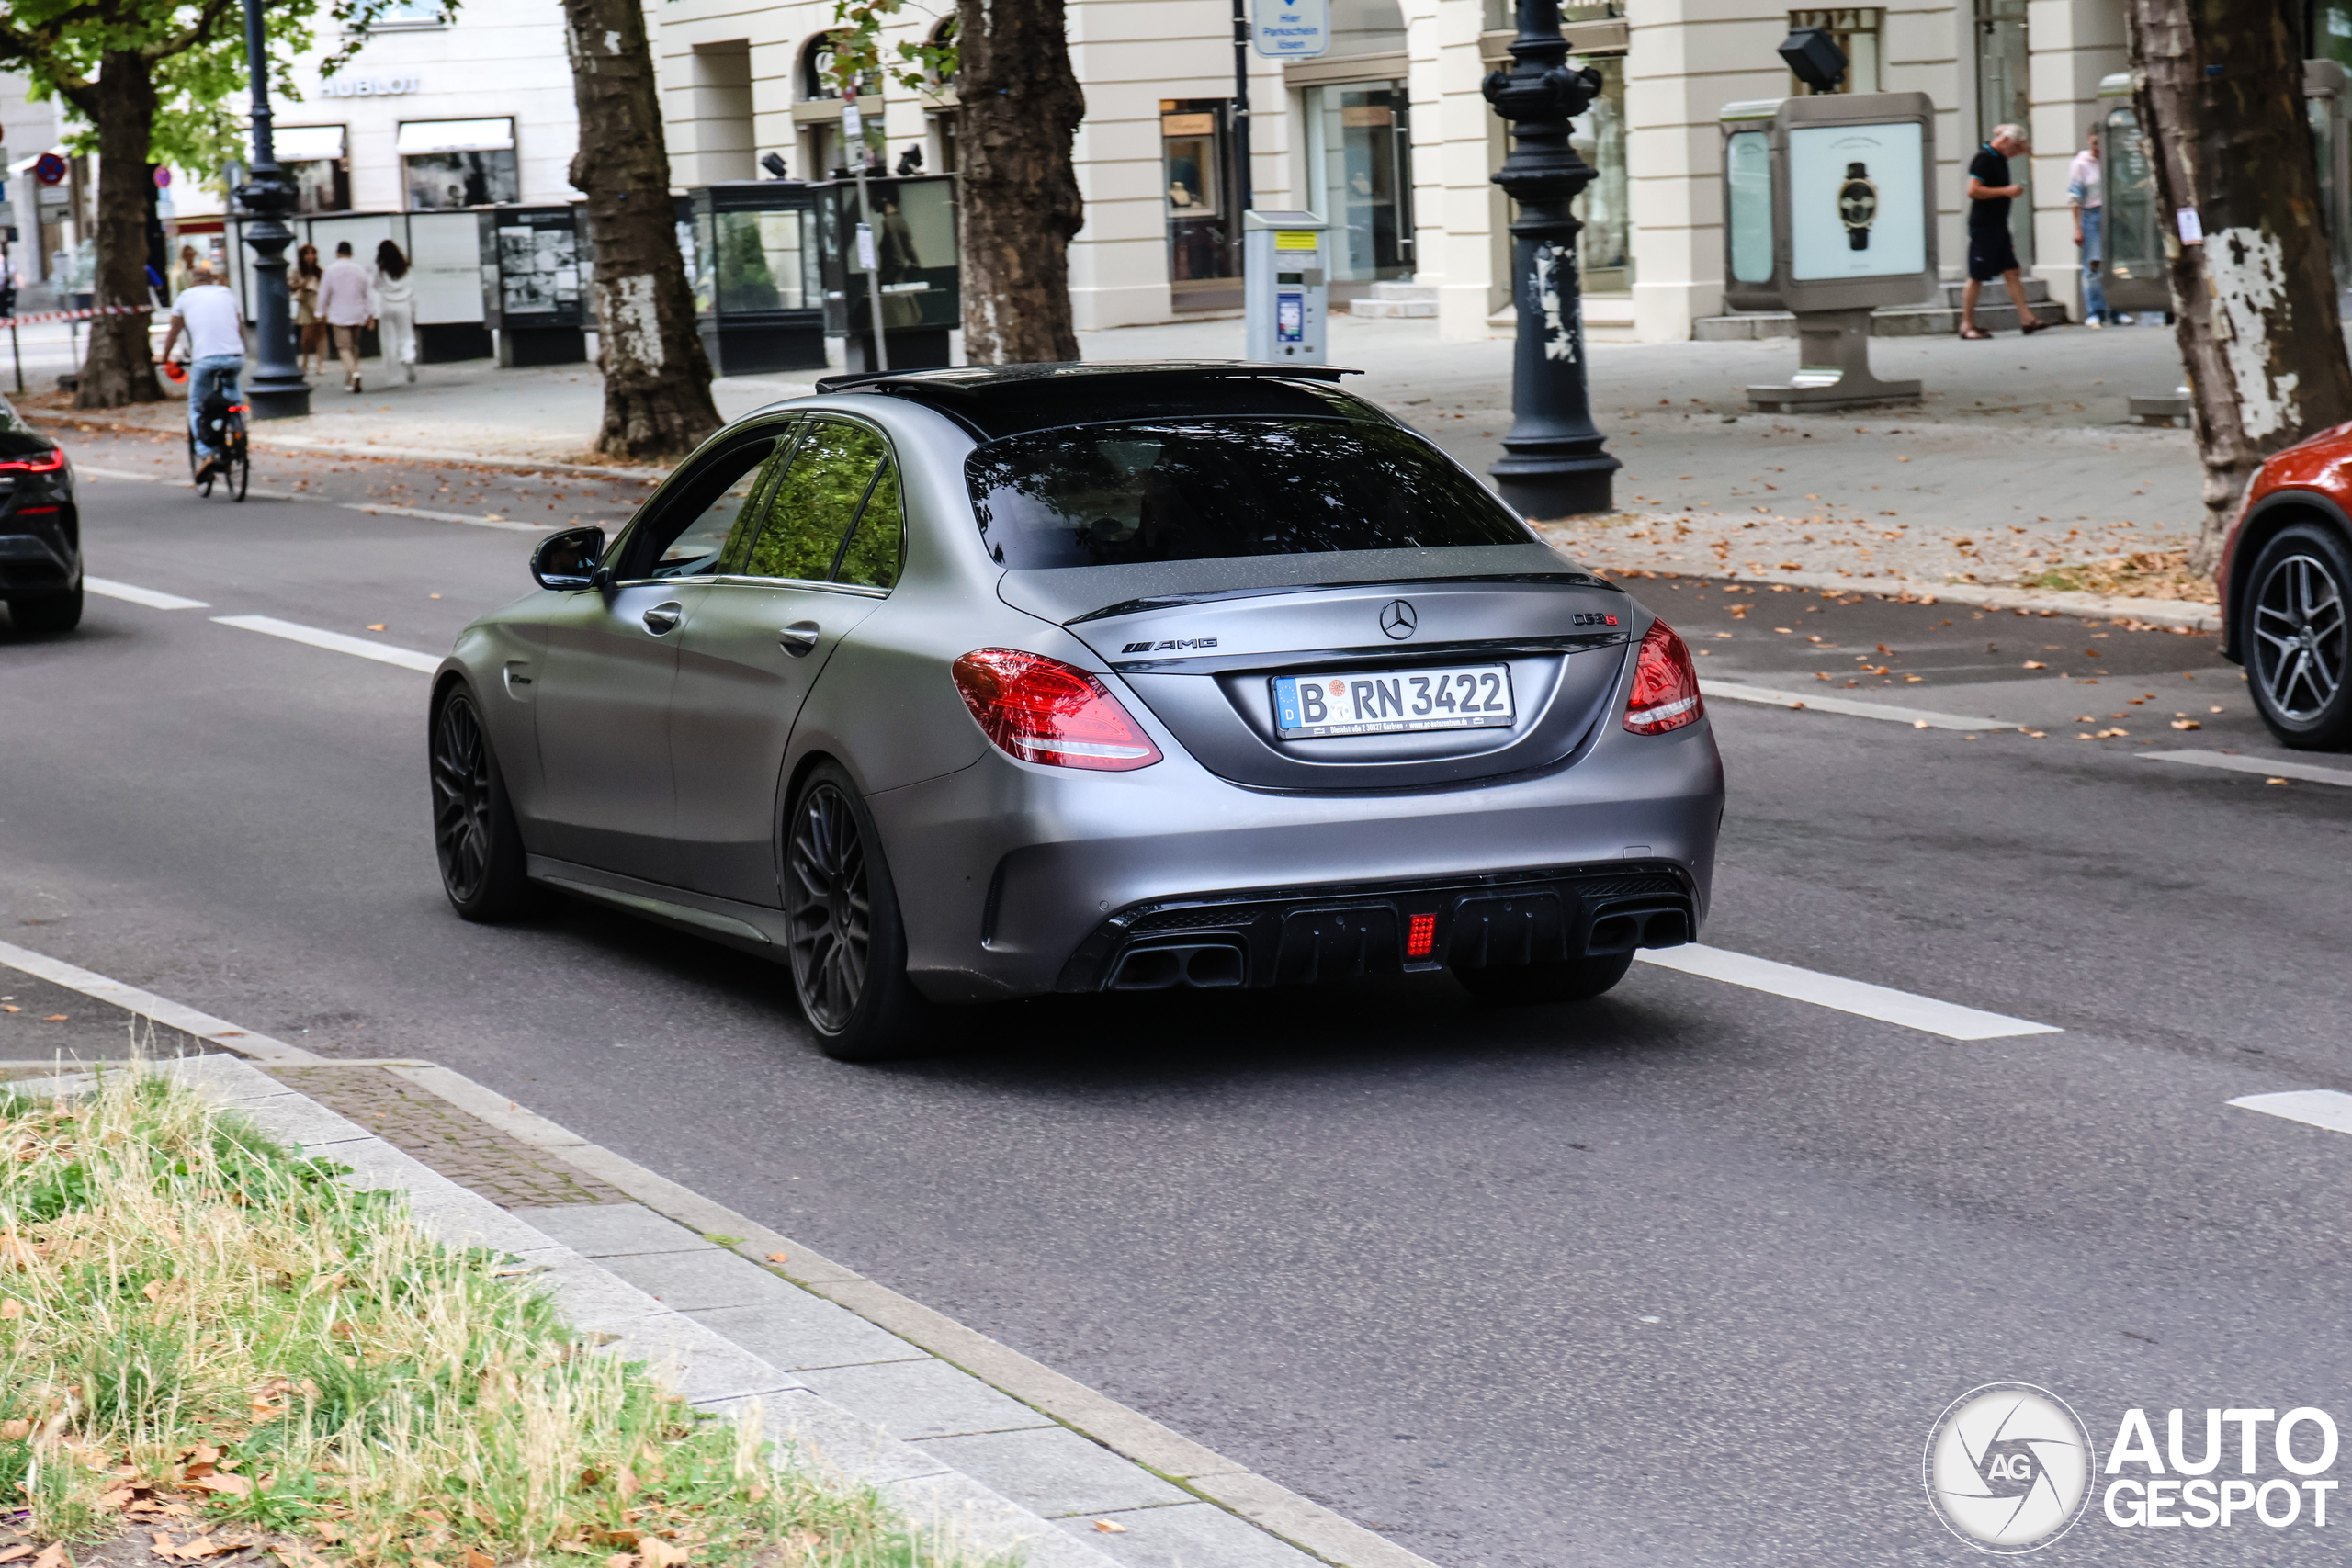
(1303, 936)
(1016, 879)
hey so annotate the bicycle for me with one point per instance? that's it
(224, 423)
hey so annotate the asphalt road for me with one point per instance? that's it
(1678, 1277)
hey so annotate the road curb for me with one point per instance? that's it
(310, 446)
(1190, 1467)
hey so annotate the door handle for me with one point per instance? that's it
(799, 638)
(664, 618)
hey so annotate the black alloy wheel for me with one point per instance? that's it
(847, 945)
(474, 835)
(832, 912)
(2297, 638)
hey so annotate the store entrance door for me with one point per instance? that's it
(1359, 177)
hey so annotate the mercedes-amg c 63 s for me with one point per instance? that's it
(947, 686)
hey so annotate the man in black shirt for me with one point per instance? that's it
(1991, 254)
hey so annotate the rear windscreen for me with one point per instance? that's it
(1203, 489)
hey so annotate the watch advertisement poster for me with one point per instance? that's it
(1855, 208)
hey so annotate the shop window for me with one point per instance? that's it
(756, 261)
(1857, 30)
(313, 158)
(817, 73)
(1200, 224)
(1605, 246)
(1359, 177)
(453, 164)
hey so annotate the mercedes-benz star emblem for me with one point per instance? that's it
(1396, 618)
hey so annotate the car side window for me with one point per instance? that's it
(815, 502)
(871, 558)
(690, 537)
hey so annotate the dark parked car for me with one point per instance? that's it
(954, 685)
(40, 533)
(2286, 570)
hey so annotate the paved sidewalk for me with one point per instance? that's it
(969, 1439)
(2019, 457)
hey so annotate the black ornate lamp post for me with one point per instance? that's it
(276, 389)
(1553, 465)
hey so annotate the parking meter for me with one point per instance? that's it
(1282, 291)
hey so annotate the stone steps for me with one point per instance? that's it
(1397, 302)
(1994, 313)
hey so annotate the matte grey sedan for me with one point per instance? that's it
(949, 686)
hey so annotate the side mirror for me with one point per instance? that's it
(568, 560)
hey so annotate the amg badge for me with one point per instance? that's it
(1172, 645)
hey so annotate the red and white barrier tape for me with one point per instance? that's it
(76, 315)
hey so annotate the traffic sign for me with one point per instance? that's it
(1290, 30)
(49, 169)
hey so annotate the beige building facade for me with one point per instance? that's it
(1389, 138)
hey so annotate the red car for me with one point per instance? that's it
(2286, 572)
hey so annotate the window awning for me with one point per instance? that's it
(306, 143)
(455, 136)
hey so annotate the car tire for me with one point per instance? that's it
(49, 614)
(475, 836)
(2297, 638)
(847, 944)
(1533, 985)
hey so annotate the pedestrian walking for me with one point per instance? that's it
(2083, 194)
(184, 275)
(1991, 252)
(310, 357)
(395, 310)
(347, 300)
(208, 313)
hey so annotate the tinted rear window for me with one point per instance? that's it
(1206, 489)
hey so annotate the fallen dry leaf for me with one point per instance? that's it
(12, 1307)
(54, 1018)
(476, 1558)
(116, 1498)
(10, 1553)
(377, 627)
(53, 1556)
(231, 1485)
(2187, 724)
(2035, 664)
(778, 1258)
(1919, 724)
(621, 1560)
(660, 1553)
(3, 1008)
(2274, 780)
(1108, 1527)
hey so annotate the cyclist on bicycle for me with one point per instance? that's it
(216, 346)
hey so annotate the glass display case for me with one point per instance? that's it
(534, 284)
(911, 225)
(759, 285)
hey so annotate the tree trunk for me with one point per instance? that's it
(120, 366)
(2219, 94)
(657, 377)
(1018, 194)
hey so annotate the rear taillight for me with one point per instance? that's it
(45, 465)
(1042, 710)
(1666, 688)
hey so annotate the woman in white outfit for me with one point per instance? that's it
(395, 310)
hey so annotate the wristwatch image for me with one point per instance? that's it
(1858, 206)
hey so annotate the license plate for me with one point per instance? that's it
(1475, 696)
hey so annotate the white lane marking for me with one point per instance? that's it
(492, 521)
(168, 1013)
(2315, 1107)
(80, 469)
(2315, 773)
(147, 597)
(1916, 718)
(407, 659)
(1947, 1019)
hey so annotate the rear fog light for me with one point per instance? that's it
(1421, 936)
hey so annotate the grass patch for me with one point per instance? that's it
(2147, 574)
(203, 1332)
